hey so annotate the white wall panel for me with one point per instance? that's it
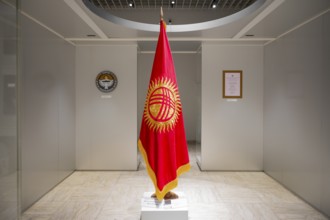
(296, 142)
(67, 114)
(106, 133)
(9, 203)
(39, 122)
(232, 131)
(273, 88)
(46, 110)
(198, 61)
(144, 71)
(325, 121)
(186, 70)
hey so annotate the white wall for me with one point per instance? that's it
(232, 132)
(186, 70)
(8, 114)
(296, 110)
(47, 110)
(325, 124)
(198, 61)
(106, 127)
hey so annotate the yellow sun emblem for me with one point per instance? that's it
(163, 105)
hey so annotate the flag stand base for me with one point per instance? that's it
(175, 209)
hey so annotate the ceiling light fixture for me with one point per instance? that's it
(214, 3)
(131, 4)
(172, 3)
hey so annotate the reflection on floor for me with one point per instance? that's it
(8, 196)
(210, 195)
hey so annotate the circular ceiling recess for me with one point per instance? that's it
(180, 15)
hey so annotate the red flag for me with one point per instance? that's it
(162, 141)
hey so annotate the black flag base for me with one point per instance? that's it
(169, 195)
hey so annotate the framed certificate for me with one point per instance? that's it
(232, 84)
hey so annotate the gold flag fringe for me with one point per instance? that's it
(168, 187)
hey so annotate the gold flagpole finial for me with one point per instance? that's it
(161, 13)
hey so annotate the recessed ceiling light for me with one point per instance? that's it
(91, 35)
(214, 3)
(249, 35)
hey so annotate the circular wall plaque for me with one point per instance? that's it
(106, 81)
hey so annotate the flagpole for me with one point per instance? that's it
(161, 13)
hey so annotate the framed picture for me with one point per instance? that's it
(232, 84)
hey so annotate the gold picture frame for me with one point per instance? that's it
(232, 84)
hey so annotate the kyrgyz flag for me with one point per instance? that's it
(162, 139)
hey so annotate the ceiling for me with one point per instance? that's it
(146, 4)
(74, 22)
(177, 12)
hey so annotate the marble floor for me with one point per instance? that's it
(116, 195)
